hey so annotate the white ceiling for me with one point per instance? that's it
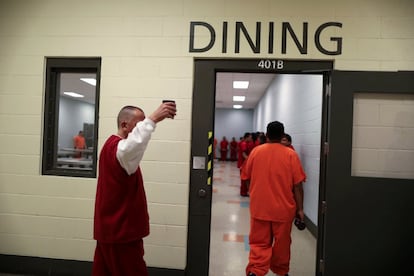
(258, 83)
(70, 82)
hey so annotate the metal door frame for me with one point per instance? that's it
(201, 168)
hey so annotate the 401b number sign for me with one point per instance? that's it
(270, 64)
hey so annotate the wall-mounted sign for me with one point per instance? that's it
(331, 46)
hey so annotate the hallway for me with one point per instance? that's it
(229, 245)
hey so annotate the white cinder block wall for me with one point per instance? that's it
(296, 101)
(145, 58)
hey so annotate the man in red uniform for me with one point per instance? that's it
(274, 171)
(121, 218)
(233, 149)
(224, 144)
(244, 151)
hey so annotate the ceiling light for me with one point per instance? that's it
(239, 98)
(240, 84)
(91, 81)
(237, 106)
(73, 94)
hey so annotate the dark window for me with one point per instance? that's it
(71, 116)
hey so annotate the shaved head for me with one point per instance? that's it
(127, 113)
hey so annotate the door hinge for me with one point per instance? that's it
(321, 267)
(324, 207)
(326, 148)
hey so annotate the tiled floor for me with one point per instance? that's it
(229, 246)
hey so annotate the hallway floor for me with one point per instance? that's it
(229, 246)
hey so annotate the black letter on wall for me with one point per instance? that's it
(337, 39)
(212, 37)
(303, 49)
(224, 46)
(255, 48)
(271, 37)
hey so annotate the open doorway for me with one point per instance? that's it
(285, 78)
(294, 99)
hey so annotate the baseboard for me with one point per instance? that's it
(311, 227)
(56, 267)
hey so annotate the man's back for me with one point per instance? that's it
(273, 170)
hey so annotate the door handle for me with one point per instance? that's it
(202, 193)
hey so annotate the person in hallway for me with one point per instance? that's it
(79, 144)
(287, 141)
(233, 149)
(244, 151)
(274, 172)
(224, 145)
(262, 138)
(121, 218)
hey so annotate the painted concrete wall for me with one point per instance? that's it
(232, 123)
(296, 101)
(144, 46)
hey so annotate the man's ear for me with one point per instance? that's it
(124, 124)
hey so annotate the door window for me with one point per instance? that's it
(383, 135)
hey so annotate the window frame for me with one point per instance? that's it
(54, 67)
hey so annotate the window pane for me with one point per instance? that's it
(383, 136)
(71, 116)
(76, 121)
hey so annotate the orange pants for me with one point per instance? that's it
(269, 247)
(122, 259)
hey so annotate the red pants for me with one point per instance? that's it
(269, 247)
(119, 259)
(244, 188)
(223, 155)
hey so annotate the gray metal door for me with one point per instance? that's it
(368, 220)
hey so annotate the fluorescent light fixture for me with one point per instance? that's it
(91, 81)
(237, 106)
(74, 94)
(240, 84)
(239, 98)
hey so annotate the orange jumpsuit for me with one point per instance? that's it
(273, 170)
(79, 143)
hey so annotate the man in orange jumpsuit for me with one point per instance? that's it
(224, 144)
(287, 141)
(274, 171)
(79, 143)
